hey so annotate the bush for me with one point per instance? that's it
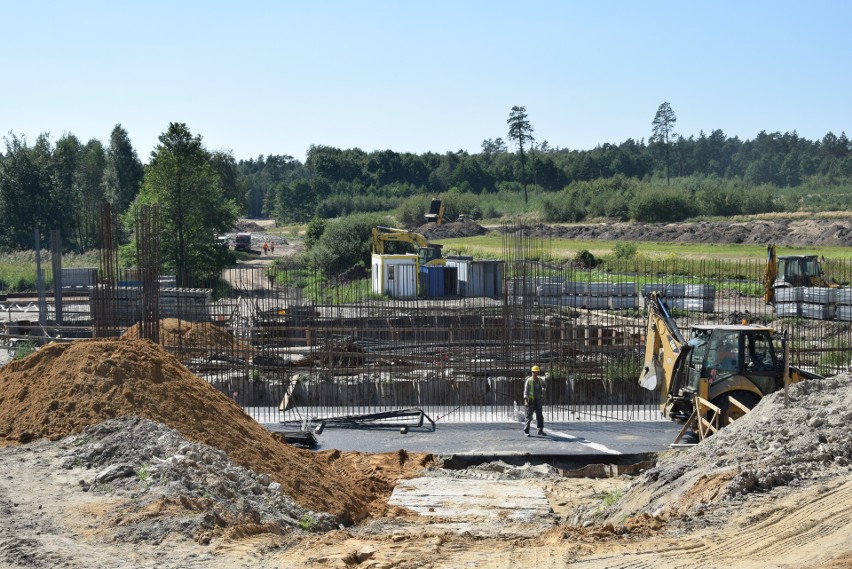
(625, 250)
(654, 204)
(315, 229)
(586, 260)
(344, 243)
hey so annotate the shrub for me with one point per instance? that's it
(586, 260)
(625, 250)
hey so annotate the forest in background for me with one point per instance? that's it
(60, 185)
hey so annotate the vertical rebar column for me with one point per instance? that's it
(104, 317)
(42, 302)
(148, 261)
(56, 261)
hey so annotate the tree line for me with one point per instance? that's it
(60, 185)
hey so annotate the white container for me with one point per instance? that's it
(395, 275)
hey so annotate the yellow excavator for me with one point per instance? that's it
(716, 363)
(792, 271)
(428, 254)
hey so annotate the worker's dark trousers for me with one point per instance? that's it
(534, 405)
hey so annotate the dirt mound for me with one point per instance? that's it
(772, 448)
(789, 232)
(451, 230)
(63, 388)
(194, 337)
(249, 226)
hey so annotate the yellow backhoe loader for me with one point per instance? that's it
(716, 363)
(792, 271)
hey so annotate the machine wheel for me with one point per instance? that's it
(747, 398)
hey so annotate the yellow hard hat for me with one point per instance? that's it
(535, 368)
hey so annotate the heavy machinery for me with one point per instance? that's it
(242, 242)
(428, 254)
(436, 212)
(792, 271)
(717, 363)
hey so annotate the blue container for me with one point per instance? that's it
(433, 279)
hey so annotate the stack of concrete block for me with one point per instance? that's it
(192, 304)
(594, 296)
(529, 286)
(692, 297)
(844, 304)
(624, 296)
(788, 302)
(819, 302)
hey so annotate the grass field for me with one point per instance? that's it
(491, 246)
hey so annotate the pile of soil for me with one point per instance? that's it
(773, 449)
(451, 230)
(786, 232)
(249, 226)
(194, 336)
(63, 388)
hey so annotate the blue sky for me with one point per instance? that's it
(257, 77)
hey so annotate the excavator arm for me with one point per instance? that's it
(770, 273)
(428, 253)
(384, 234)
(664, 347)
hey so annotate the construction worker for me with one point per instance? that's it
(533, 396)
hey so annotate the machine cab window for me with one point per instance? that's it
(759, 354)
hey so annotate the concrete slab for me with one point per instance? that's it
(571, 440)
(466, 499)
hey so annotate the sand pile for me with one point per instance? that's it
(63, 388)
(194, 339)
(772, 448)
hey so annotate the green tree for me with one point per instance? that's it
(344, 242)
(663, 133)
(90, 193)
(521, 131)
(124, 173)
(27, 191)
(182, 180)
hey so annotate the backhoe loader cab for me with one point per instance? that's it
(715, 362)
(799, 270)
(741, 359)
(792, 271)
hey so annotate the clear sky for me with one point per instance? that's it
(274, 77)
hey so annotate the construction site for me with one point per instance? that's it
(194, 420)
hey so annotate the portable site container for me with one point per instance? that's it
(478, 278)
(438, 281)
(395, 275)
